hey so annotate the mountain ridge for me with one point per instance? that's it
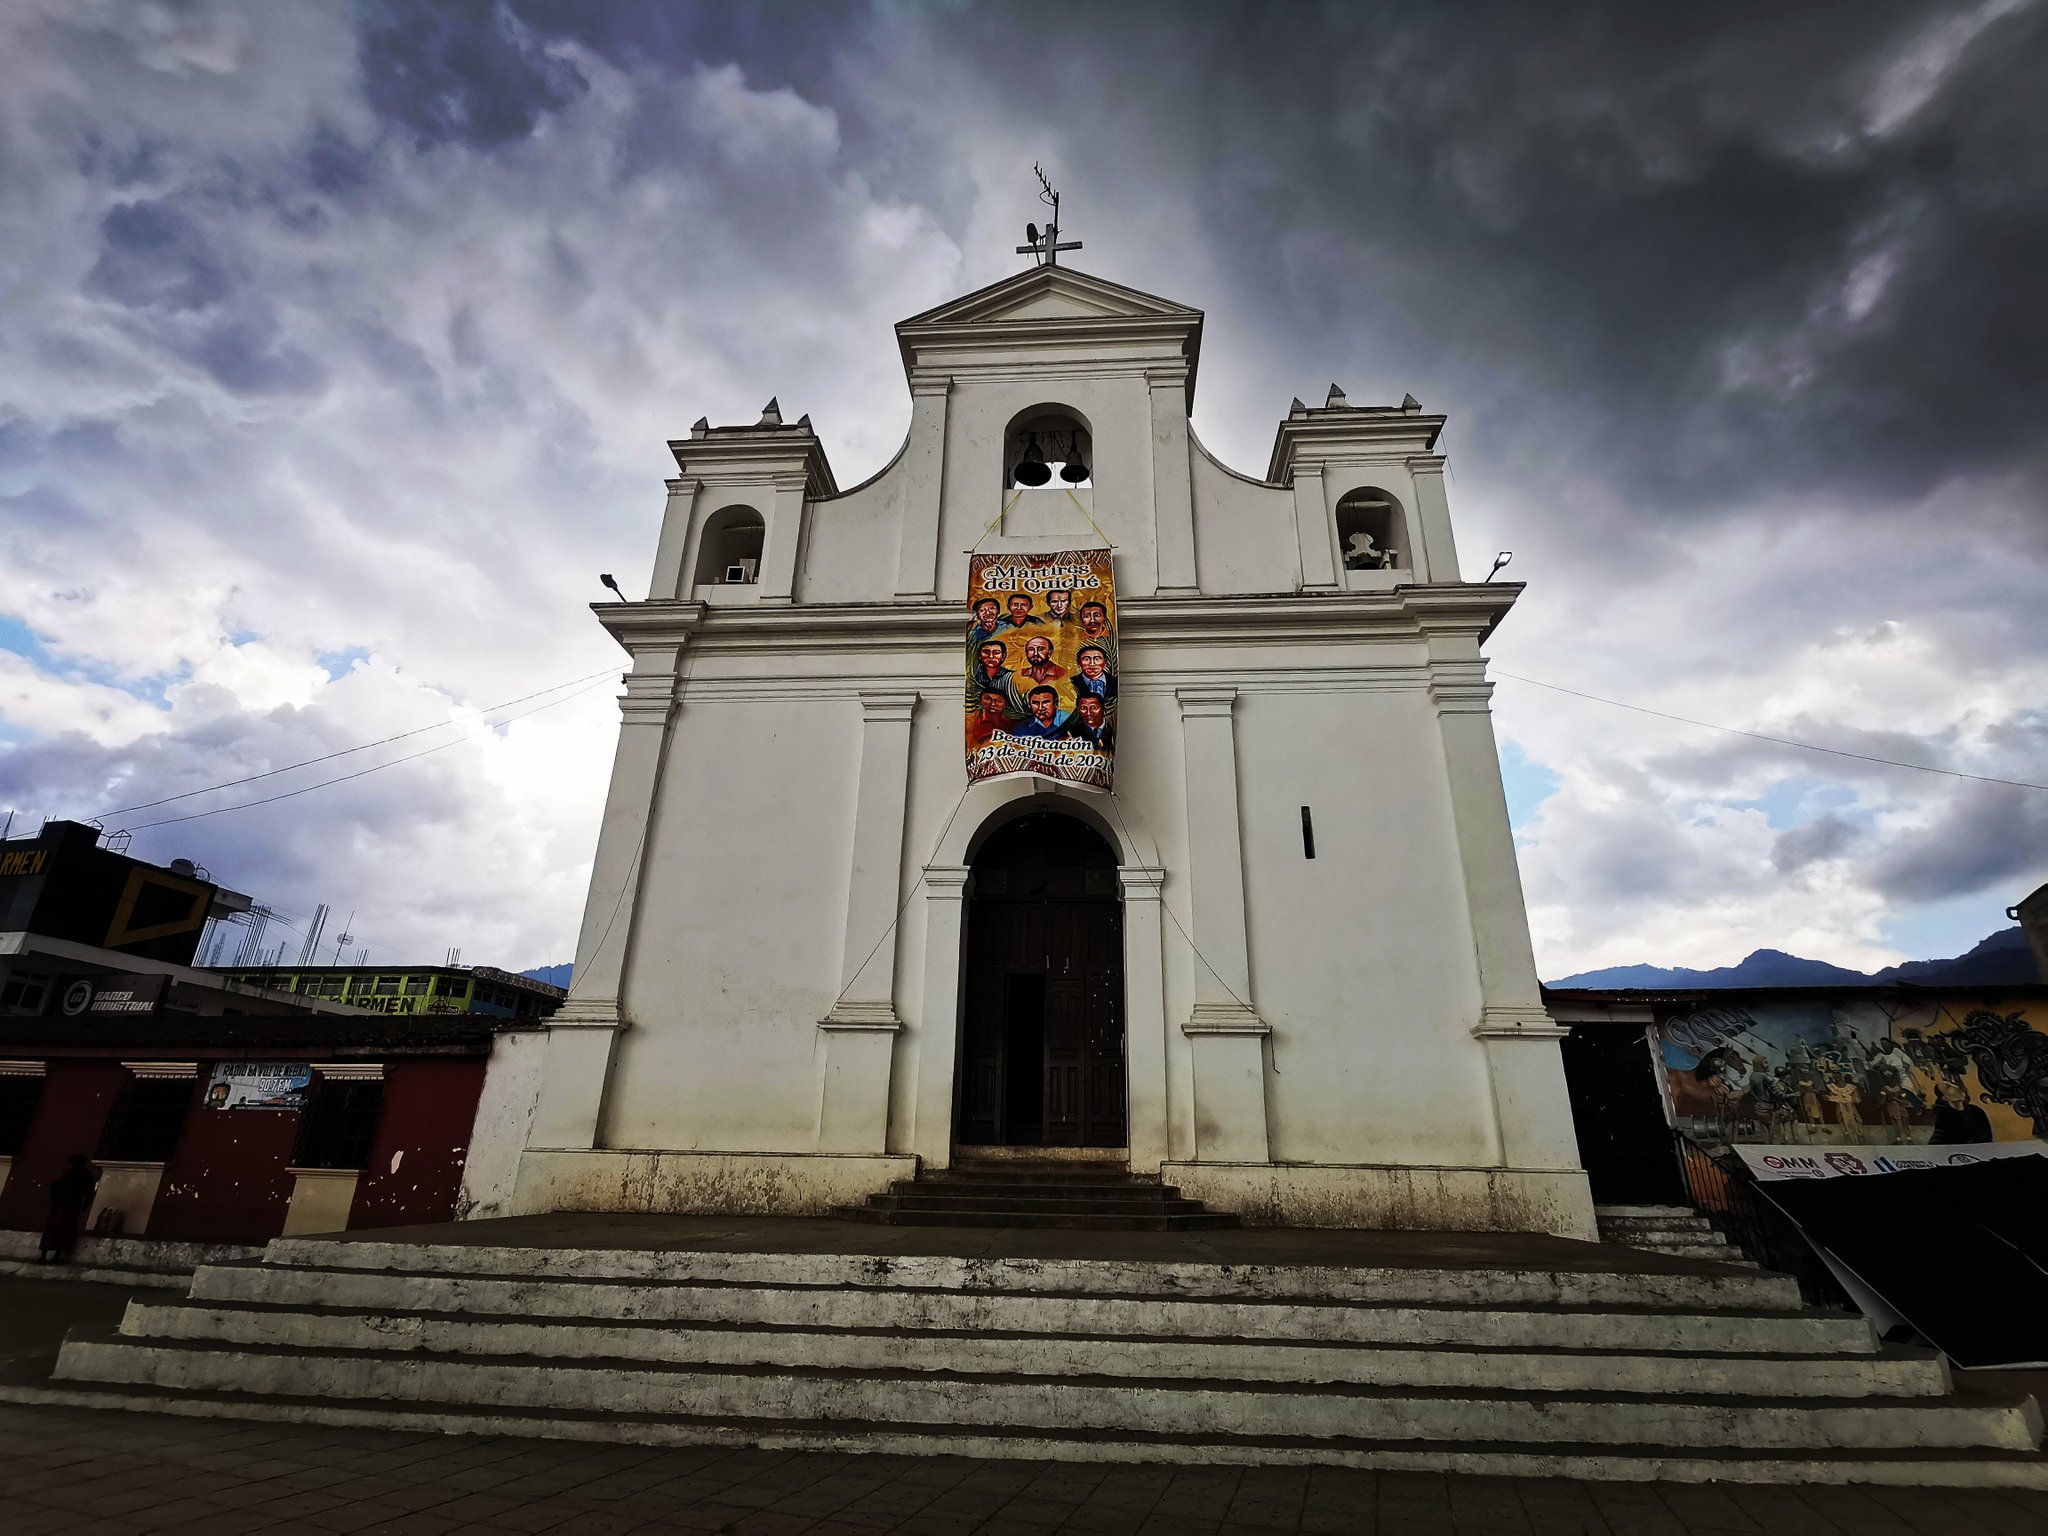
(1999, 959)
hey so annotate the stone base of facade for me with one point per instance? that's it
(702, 1183)
(1379, 1197)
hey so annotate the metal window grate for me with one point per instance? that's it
(339, 1123)
(19, 1095)
(148, 1120)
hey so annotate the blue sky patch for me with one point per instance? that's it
(1528, 784)
(338, 664)
(1792, 801)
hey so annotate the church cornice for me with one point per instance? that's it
(757, 456)
(1328, 436)
(1446, 611)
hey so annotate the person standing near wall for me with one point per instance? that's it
(1958, 1122)
(71, 1195)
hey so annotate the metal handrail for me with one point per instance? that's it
(1723, 1189)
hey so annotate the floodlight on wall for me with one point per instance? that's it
(1031, 467)
(1499, 560)
(606, 578)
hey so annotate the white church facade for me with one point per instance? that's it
(1283, 963)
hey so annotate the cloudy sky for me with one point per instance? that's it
(339, 344)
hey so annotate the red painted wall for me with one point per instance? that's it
(415, 1168)
(77, 1098)
(227, 1182)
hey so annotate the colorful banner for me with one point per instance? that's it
(1796, 1162)
(259, 1085)
(1041, 666)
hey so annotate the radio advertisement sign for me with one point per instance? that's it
(259, 1085)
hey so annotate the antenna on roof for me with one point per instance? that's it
(1046, 247)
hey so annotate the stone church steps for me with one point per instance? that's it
(1123, 1356)
(1889, 1466)
(770, 1395)
(1677, 1230)
(1045, 1196)
(1689, 1288)
(1530, 1326)
(1663, 1370)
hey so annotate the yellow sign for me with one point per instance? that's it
(1041, 666)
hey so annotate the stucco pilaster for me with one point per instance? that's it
(1433, 519)
(1225, 1032)
(1144, 1016)
(938, 1030)
(1524, 1064)
(853, 1086)
(1215, 849)
(785, 538)
(582, 1035)
(1173, 506)
(1314, 530)
(867, 972)
(924, 478)
(669, 552)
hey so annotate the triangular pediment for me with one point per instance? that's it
(1052, 293)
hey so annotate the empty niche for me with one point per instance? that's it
(730, 550)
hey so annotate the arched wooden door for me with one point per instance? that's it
(1042, 1032)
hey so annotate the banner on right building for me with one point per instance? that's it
(1041, 666)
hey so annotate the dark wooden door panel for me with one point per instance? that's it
(1045, 981)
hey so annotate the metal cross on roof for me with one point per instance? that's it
(1046, 247)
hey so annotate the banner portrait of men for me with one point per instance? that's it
(1041, 666)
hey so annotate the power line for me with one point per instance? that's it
(347, 751)
(361, 772)
(1782, 741)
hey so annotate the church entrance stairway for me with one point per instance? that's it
(1474, 1353)
(1049, 1196)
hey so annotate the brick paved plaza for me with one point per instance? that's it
(72, 1470)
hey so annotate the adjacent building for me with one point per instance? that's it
(225, 1106)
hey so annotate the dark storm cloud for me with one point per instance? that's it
(154, 256)
(470, 74)
(382, 313)
(1678, 224)
(1989, 836)
(1827, 835)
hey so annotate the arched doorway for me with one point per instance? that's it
(1042, 1023)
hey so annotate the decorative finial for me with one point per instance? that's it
(771, 414)
(1411, 405)
(1047, 246)
(1296, 408)
(804, 420)
(701, 427)
(1336, 399)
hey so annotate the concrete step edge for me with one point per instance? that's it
(1703, 1290)
(1979, 1402)
(285, 1310)
(1985, 1467)
(1303, 1301)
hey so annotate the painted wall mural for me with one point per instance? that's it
(1890, 1070)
